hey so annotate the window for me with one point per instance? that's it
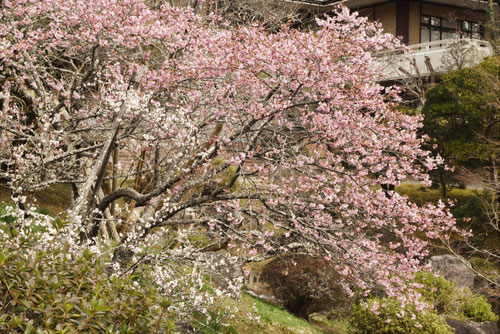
(471, 29)
(435, 28)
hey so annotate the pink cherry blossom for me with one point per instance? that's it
(269, 139)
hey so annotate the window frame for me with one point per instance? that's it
(473, 30)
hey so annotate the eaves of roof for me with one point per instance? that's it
(471, 4)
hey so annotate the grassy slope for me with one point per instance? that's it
(274, 319)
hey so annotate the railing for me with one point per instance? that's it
(445, 43)
(440, 54)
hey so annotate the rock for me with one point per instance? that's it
(257, 288)
(490, 328)
(318, 319)
(453, 269)
(494, 300)
(265, 297)
(466, 327)
(480, 285)
(123, 255)
(186, 328)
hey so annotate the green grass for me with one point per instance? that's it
(273, 319)
(277, 316)
(419, 195)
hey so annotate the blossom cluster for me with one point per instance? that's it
(256, 140)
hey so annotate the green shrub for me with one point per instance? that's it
(444, 297)
(50, 291)
(437, 292)
(477, 308)
(447, 298)
(387, 316)
(51, 283)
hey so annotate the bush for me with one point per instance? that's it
(305, 284)
(51, 283)
(477, 308)
(387, 316)
(49, 291)
(447, 298)
(437, 292)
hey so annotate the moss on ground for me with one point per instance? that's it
(52, 200)
(419, 195)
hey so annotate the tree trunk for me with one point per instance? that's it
(86, 202)
(442, 182)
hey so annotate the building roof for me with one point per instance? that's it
(472, 4)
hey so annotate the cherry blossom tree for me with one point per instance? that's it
(258, 141)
